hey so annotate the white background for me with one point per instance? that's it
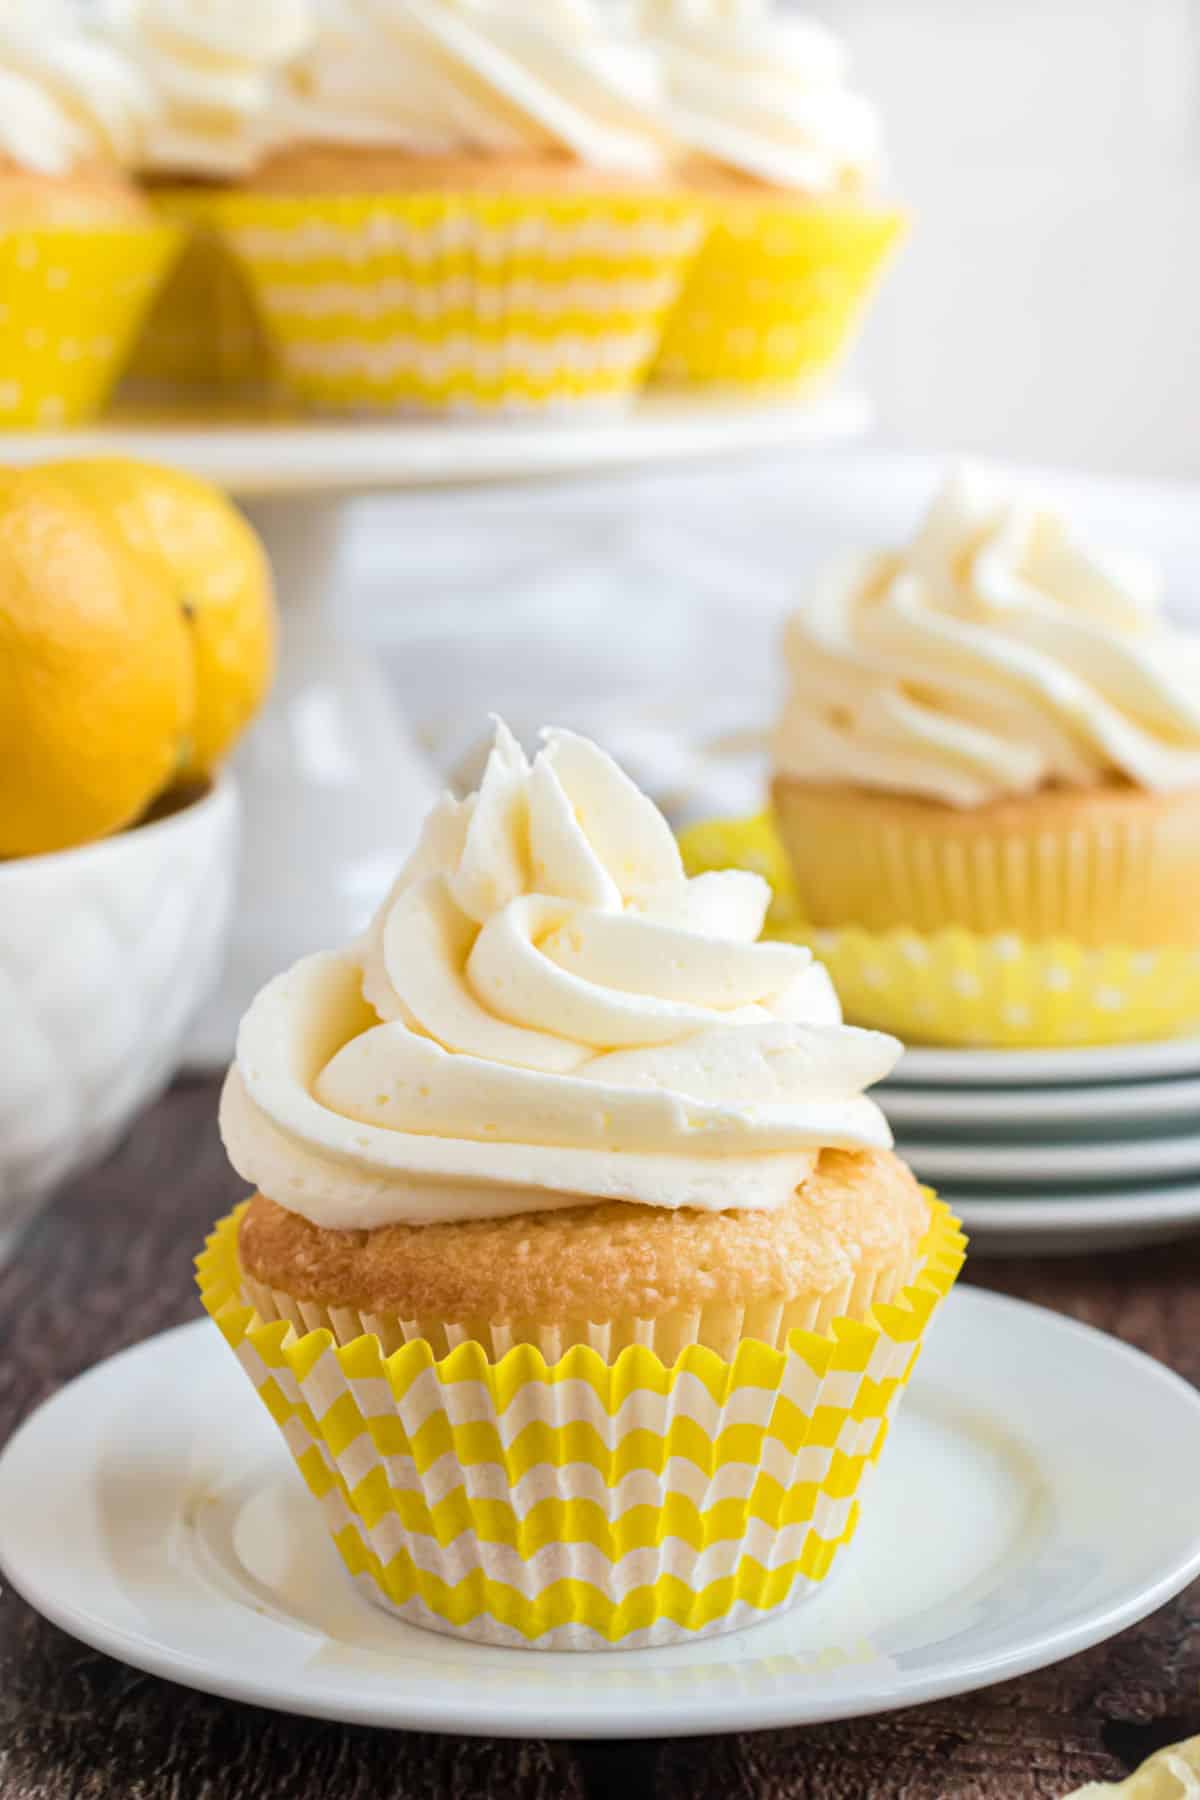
(1047, 305)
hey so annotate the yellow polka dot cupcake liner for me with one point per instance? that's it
(777, 291)
(580, 1503)
(461, 303)
(203, 336)
(71, 304)
(953, 986)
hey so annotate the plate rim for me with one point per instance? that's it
(302, 456)
(1039, 1164)
(1156, 1204)
(927, 1065)
(678, 1717)
(1057, 1104)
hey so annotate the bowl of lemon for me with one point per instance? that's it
(137, 634)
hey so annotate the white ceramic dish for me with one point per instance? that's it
(105, 954)
(1043, 1165)
(921, 1067)
(1094, 1111)
(150, 1509)
(1085, 1223)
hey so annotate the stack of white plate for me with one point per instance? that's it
(1055, 1150)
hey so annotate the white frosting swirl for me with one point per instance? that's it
(214, 67)
(994, 655)
(503, 77)
(66, 96)
(763, 95)
(546, 1010)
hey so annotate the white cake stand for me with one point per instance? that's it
(333, 788)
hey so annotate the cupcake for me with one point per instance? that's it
(466, 209)
(216, 73)
(786, 157)
(80, 251)
(996, 730)
(579, 1275)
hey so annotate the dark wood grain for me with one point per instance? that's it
(110, 1262)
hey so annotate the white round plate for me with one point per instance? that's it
(960, 1068)
(1092, 1110)
(1041, 1165)
(150, 1509)
(1020, 1225)
(286, 456)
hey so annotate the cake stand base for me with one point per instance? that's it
(333, 790)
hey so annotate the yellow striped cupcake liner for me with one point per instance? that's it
(957, 987)
(585, 1504)
(777, 291)
(475, 303)
(71, 303)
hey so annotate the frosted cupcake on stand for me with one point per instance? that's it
(787, 156)
(468, 208)
(81, 252)
(580, 1277)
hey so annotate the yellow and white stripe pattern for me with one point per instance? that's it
(585, 1504)
(777, 291)
(958, 987)
(461, 302)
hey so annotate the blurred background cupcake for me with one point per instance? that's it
(215, 71)
(81, 252)
(467, 208)
(787, 158)
(994, 732)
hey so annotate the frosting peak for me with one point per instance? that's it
(992, 656)
(66, 96)
(763, 94)
(490, 77)
(546, 1010)
(213, 66)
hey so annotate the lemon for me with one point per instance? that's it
(196, 544)
(97, 670)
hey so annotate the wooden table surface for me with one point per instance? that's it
(110, 1263)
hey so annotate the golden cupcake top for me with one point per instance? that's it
(545, 1011)
(994, 655)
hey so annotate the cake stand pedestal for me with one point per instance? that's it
(333, 788)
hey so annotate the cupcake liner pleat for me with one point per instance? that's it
(1128, 880)
(461, 302)
(953, 986)
(71, 302)
(777, 291)
(582, 1503)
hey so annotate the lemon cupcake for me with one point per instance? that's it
(216, 73)
(786, 156)
(579, 1275)
(466, 209)
(80, 251)
(996, 730)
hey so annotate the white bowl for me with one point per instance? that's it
(105, 954)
